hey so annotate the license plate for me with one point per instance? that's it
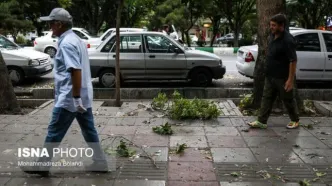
(48, 68)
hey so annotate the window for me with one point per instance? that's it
(80, 34)
(107, 34)
(129, 44)
(159, 44)
(109, 45)
(5, 43)
(308, 42)
(328, 41)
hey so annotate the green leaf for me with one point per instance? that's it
(180, 148)
(304, 182)
(320, 174)
(235, 174)
(163, 129)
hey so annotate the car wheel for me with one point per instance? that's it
(50, 51)
(16, 75)
(107, 78)
(201, 77)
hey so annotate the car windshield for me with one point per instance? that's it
(88, 33)
(7, 44)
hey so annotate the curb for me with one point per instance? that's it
(202, 93)
(219, 50)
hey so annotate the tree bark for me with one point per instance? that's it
(265, 10)
(8, 101)
(117, 67)
(188, 38)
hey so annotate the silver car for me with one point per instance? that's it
(148, 56)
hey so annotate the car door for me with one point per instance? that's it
(162, 62)
(132, 63)
(328, 56)
(310, 57)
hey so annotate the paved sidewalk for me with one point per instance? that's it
(220, 152)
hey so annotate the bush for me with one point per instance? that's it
(182, 108)
(20, 40)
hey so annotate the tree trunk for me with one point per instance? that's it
(8, 101)
(212, 40)
(265, 10)
(236, 37)
(117, 66)
(188, 38)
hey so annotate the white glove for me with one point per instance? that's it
(79, 105)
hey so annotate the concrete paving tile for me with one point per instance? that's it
(114, 122)
(32, 139)
(262, 183)
(160, 141)
(19, 129)
(245, 184)
(139, 183)
(10, 138)
(321, 132)
(191, 171)
(41, 129)
(119, 130)
(86, 181)
(3, 180)
(191, 141)
(128, 121)
(9, 119)
(307, 142)
(238, 122)
(34, 181)
(192, 183)
(221, 131)
(315, 156)
(192, 154)
(146, 121)
(157, 153)
(284, 132)
(226, 141)
(267, 142)
(251, 132)
(188, 131)
(266, 155)
(102, 121)
(233, 155)
(146, 130)
(278, 121)
(322, 121)
(216, 122)
(327, 142)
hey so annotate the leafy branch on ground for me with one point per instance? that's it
(109, 149)
(182, 108)
(163, 129)
(304, 182)
(245, 105)
(180, 148)
(123, 151)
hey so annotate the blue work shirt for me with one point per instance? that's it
(72, 54)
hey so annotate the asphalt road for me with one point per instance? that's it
(231, 79)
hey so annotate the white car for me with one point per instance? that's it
(48, 43)
(112, 30)
(22, 63)
(314, 56)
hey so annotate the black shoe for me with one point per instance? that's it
(98, 166)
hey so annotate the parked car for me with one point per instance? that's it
(48, 43)
(227, 38)
(314, 56)
(22, 63)
(112, 30)
(147, 56)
